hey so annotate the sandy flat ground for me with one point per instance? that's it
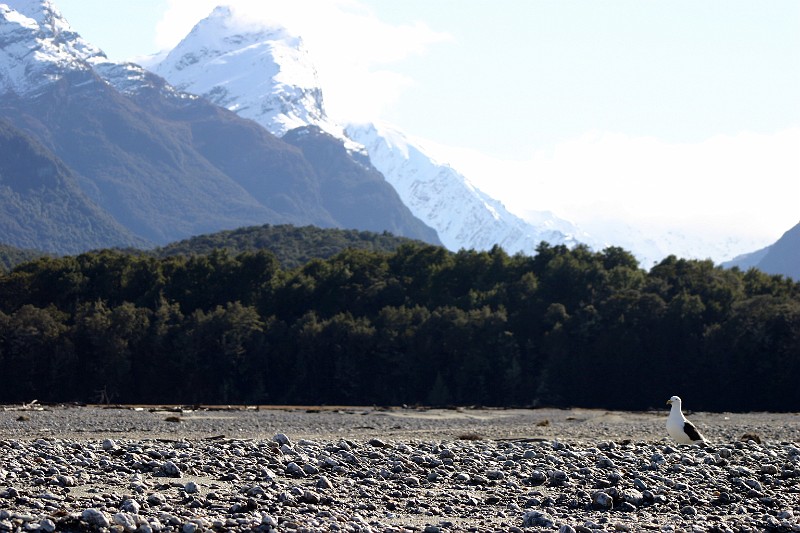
(363, 423)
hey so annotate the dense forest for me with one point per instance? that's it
(292, 246)
(417, 325)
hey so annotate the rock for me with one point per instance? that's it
(66, 481)
(125, 520)
(170, 469)
(536, 519)
(412, 481)
(293, 469)
(93, 517)
(495, 474)
(538, 477)
(558, 478)
(625, 507)
(109, 444)
(280, 438)
(601, 500)
(324, 483)
(309, 496)
(310, 469)
(130, 506)
(156, 499)
(688, 510)
(632, 496)
(771, 470)
(191, 488)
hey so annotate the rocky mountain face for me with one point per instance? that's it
(162, 163)
(783, 257)
(265, 73)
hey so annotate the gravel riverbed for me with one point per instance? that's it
(390, 470)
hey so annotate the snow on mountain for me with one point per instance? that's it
(261, 72)
(651, 243)
(264, 73)
(463, 215)
(38, 46)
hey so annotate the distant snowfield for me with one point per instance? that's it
(667, 194)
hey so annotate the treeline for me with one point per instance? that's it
(11, 256)
(420, 325)
(293, 246)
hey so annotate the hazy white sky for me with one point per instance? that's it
(671, 112)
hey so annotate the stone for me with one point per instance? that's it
(688, 510)
(170, 469)
(537, 519)
(602, 500)
(130, 506)
(293, 469)
(324, 483)
(156, 499)
(309, 496)
(281, 438)
(632, 496)
(125, 520)
(93, 517)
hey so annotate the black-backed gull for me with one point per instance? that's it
(679, 428)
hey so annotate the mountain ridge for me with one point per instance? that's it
(462, 215)
(163, 163)
(782, 257)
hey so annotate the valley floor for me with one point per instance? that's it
(392, 469)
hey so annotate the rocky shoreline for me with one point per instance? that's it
(382, 470)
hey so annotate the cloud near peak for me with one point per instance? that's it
(352, 48)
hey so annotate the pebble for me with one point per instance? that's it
(382, 483)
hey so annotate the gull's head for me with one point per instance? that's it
(674, 400)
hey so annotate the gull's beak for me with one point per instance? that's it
(669, 402)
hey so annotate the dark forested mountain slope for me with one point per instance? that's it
(42, 206)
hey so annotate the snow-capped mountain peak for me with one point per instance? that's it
(263, 72)
(258, 70)
(39, 46)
